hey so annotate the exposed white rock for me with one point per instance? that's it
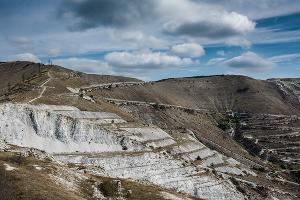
(39, 127)
(98, 117)
(169, 196)
(233, 162)
(119, 151)
(37, 167)
(88, 98)
(146, 134)
(74, 90)
(160, 143)
(9, 168)
(213, 160)
(229, 170)
(163, 171)
(187, 147)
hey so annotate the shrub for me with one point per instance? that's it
(262, 191)
(108, 188)
(224, 126)
(16, 159)
(242, 90)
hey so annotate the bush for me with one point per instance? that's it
(242, 90)
(157, 106)
(189, 111)
(258, 168)
(198, 158)
(16, 159)
(224, 126)
(108, 189)
(262, 191)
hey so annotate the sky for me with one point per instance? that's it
(155, 39)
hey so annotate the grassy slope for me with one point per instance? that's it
(218, 93)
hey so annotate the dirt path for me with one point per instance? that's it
(44, 88)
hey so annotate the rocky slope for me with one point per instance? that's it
(175, 136)
(139, 153)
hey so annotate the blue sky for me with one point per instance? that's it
(155, 39)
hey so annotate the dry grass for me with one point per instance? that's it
(28, 183)
(132, 190)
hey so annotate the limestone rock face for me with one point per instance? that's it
(109, 146)
(58, 129)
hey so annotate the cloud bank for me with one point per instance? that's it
(249, 61)
(188, 50)
(144, 60)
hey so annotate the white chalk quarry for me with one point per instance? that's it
(51, 131)
(120, 150)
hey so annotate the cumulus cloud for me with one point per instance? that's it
(133, 64)
(144, 60)
(25, 57)
(249, 61)
(85, 65)
(219, 26)
(188, 50)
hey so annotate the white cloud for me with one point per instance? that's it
(188, 50)
(241, 42)
(214, 61)
(145, 60)
(191, 17)
(179, 17)
(85, 65)
(250, 61)
(285, 58)
(133, 64)
(25, 57)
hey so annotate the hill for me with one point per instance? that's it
(213, 137)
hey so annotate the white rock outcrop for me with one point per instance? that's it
(58, 129)
(109, 146)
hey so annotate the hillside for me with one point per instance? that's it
(214, 137)
(216, 93)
